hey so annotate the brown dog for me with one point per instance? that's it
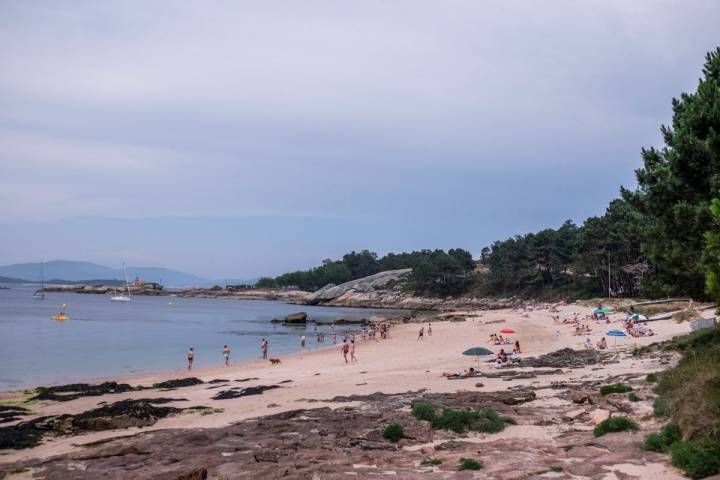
(275, 361)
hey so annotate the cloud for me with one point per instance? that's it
(361, 110)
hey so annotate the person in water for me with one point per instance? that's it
(190, 357)
(226, 355)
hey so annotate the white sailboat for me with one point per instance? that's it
(40, 294)
(123, 298)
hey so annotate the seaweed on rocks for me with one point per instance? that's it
(178, 383)
(11, 413)
(563, 358)
(72, 391)
(123, 414)
(244, 392)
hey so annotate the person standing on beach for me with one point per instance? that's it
(190, 357)
(352, 351)
(264, 348)
(421, 333)
(226, 355)
(302, 341)
(429, 330)
(345, 348)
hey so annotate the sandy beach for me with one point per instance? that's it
(398, 364)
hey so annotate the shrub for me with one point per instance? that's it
(470, 464)
(632, 397)
(431, 461)
(614, 424)
(697, 459)
(661, 407)
(651, 377)
(393, 432)
(485, 420)
(615, 388)
(423, 411)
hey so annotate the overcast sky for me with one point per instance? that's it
(235, 139)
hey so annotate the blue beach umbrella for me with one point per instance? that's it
(615, 333)
(477, 352)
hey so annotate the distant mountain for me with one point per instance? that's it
(11, 280)
(75, 271)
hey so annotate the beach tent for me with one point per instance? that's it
(478, 352)
(637, 317)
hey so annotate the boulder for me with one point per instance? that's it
(598, 415)
(299, 317)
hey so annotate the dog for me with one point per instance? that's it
(275, 361)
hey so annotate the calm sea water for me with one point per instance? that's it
(104, 338)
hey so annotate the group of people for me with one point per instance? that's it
(264, 345)
(496, 339)
(421, 332)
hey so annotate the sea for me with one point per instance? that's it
(104, 339)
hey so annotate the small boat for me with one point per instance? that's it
(123, 298)
(62, 315)
(40, 294)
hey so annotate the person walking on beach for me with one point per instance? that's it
(302, 341)
(421, 333)
(352, 351)
(190, 357)
(345, 349)
(264, 348)
(226, 355)
(429, 330)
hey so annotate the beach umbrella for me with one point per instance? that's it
(507, 330)
(637, 317)
(615, 333)
(477, 352)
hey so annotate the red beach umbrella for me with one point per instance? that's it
(507, 330)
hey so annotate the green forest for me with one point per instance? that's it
(660, 239)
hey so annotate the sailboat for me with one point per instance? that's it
(123, 298)
(40, 294)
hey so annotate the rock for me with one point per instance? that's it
(564, 358)
(573, 414)
(479, 385)
(598, 415)
(296, 318)
(362, 285)
(243, 392)
(197, 474)
(178, 383)
(582, 396)
(64, 393)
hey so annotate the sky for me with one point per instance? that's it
(237, 139)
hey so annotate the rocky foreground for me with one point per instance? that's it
(549, 433)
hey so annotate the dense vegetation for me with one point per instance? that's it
(689, 394)
(484, 420)
(663, 238)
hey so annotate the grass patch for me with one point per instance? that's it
(393, 432)
(615, 388)
(423, 411)
(660, 442)
(431, 461)
(567, 448)
(485, 420)
(614, 424)
(661, 407)
(651, 377)
(697, 459)
(633, 397)
(469, 464)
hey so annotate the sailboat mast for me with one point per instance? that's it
(127, 285)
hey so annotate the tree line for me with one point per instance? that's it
(660, 239)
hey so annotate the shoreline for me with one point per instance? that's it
(396, 366)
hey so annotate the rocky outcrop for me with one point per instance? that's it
(296, 318)
(372, 283)
(382, 290)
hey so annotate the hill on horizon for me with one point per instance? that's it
(74, 271)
